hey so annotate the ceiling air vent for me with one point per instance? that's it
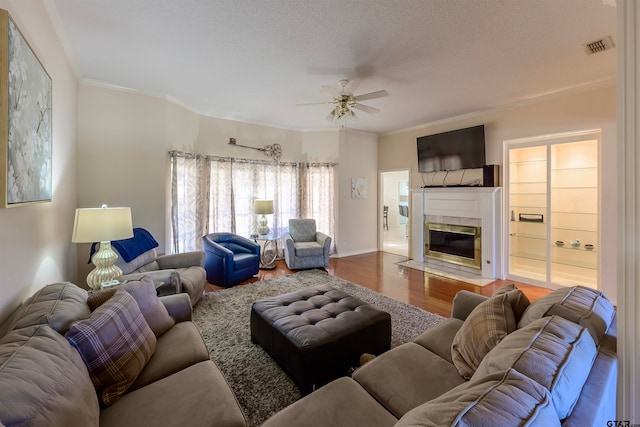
(599, 45)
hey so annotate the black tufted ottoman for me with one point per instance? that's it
(318, 333)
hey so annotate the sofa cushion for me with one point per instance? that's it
(308, 249)
(115, 344)
(341, 403)
(584, 306)
(483, 329)
(554, 352)
(166, 360)
(57, 305)
(178, 306)
(43, 381)
(438, 338)
(596, 405)
(144, 292)
(502, 399)
(407, 376)
(193, 282)
(196, 396)
(152, 266)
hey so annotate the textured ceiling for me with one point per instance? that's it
(255, 60)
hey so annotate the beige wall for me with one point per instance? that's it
(579, 110)
(357, 218)
(122, 157)
(123, 144)
(35, 240)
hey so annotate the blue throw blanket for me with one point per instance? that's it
(129, 249)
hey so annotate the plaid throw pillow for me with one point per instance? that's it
(115, 343)
(484, 328)
(144, 292)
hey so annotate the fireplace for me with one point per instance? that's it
(473, 207)
(456, 244)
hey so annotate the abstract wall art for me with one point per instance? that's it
(25, 120)
(358, 188)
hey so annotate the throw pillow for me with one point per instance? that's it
(518, 300)
(144, 292)
(115, 343)
(484, 328)
(504, 289)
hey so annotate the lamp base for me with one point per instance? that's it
(263, 228)
(105, 270)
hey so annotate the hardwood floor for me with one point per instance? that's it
(380, 272)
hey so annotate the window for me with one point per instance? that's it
(211, 194)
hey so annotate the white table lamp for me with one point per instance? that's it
(263, 207)
(102, 225)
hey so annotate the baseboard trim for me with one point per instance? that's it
(352, 253)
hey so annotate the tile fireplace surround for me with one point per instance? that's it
(472, 206)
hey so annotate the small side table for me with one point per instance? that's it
(268, 249)
(162, 288)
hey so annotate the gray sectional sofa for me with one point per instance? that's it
(496, 362)
(44, 378)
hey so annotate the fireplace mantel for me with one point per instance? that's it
(461, 205)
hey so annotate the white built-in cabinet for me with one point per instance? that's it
(552, 209)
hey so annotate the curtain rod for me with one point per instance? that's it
(242, 160)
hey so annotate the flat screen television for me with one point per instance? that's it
(453, 150)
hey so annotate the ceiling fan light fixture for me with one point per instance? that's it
(345, 103)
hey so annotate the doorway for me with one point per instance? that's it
(394, 208)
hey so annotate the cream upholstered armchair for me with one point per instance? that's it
(137, 257)
(304, 247)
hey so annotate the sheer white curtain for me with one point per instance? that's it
(187, 201)
(210, 194)
(220, 195)
(317, 196)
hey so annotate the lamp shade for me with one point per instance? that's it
(102, 224)
(263, 206)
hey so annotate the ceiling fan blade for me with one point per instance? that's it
(365, 108)
(371, 95)
(313, 103)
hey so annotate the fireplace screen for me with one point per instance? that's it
(457, 244)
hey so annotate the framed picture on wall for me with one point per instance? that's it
(358, 188)
(25, 120)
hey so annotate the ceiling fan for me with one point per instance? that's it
(345, 102)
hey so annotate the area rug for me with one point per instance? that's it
(259, 384)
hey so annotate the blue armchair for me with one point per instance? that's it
(229, 258)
